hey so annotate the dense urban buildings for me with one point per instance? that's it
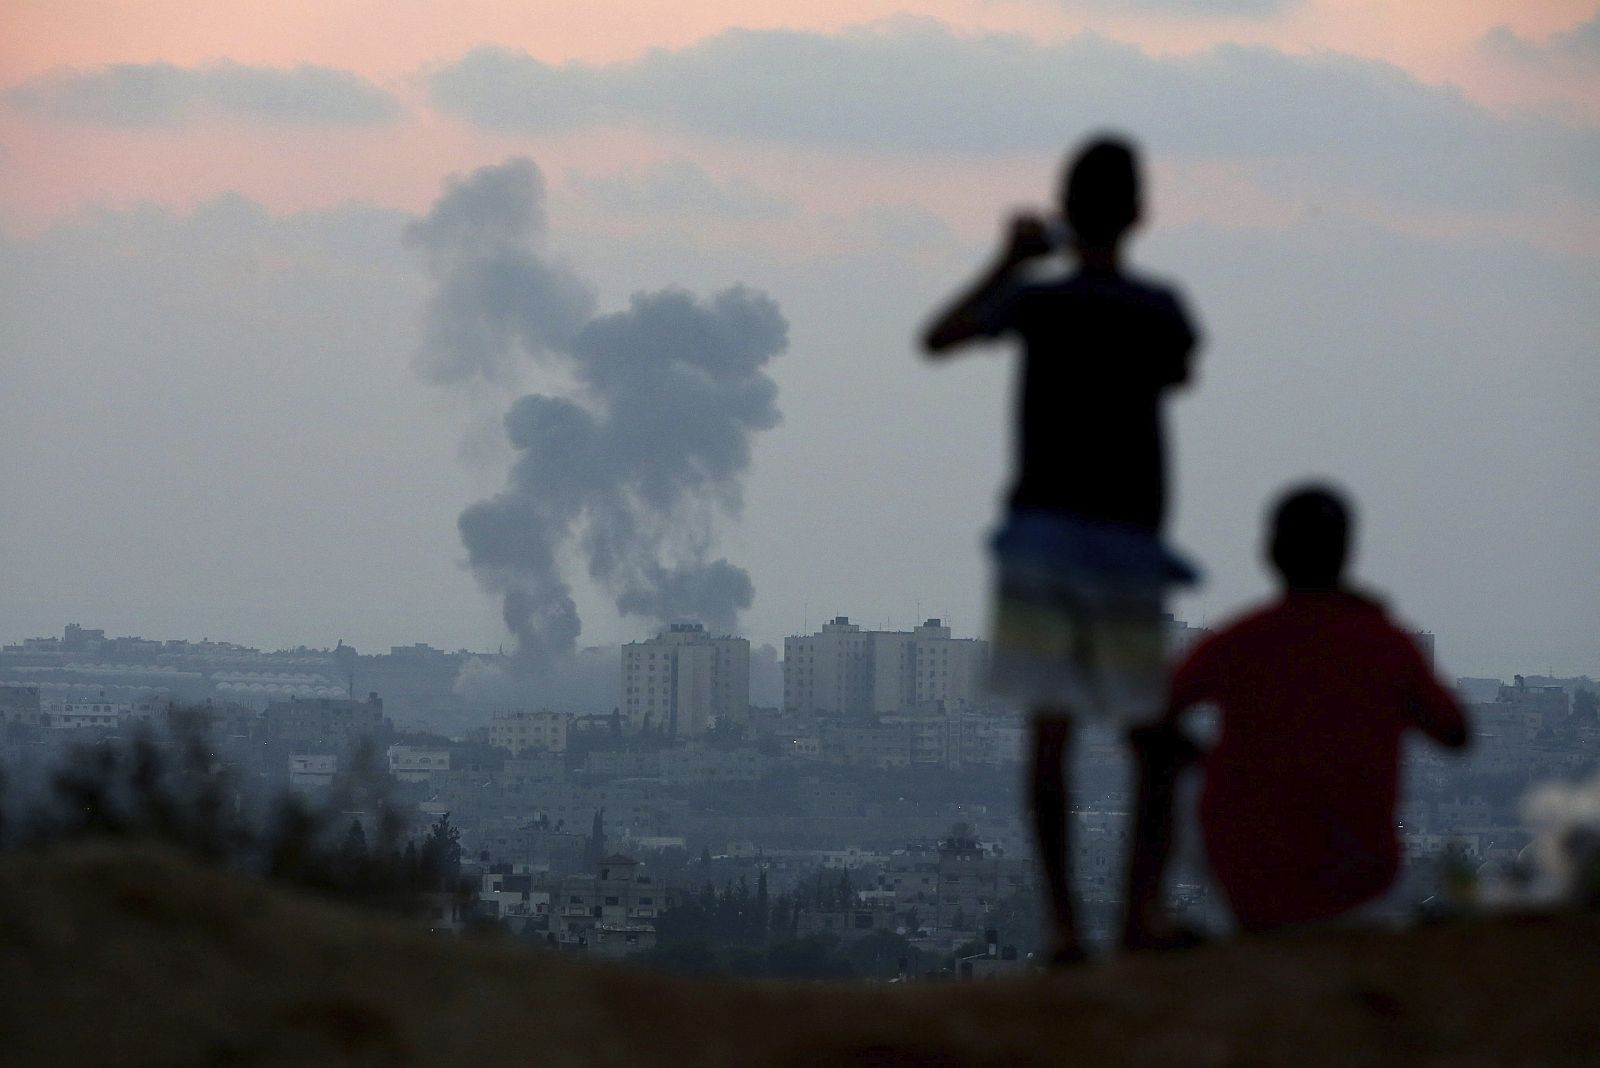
(879, 802)
(846, 672)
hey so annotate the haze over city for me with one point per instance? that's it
(229, 424)
(970, 531)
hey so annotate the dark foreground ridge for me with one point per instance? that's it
(134, 955)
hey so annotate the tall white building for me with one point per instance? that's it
(844, 671)
(684, 680)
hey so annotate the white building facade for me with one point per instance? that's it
(845, 672)
(75, 715)
(684, 680)
(411, 763)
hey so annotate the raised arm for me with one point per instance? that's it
(962, 320)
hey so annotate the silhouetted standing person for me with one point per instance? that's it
(1314, 693)
(1080, 568)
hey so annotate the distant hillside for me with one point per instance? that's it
(112, 955)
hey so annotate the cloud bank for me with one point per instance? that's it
(1575, 51)
(916, 87)
(163, 94)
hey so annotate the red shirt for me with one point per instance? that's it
(1298, 808)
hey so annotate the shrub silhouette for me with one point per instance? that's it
(170, 787)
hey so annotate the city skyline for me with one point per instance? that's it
(492, 520)
(1383, 215)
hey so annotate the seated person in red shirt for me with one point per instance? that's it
(1314, 692)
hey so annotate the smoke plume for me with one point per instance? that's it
(497, 299)
(636, 465)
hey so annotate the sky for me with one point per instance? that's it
(247, 250)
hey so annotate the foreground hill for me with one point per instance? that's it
(116, 955)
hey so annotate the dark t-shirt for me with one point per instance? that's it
(1099, 350)
(1298, 808)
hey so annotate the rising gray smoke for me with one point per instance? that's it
(636, 466)
(497, 298)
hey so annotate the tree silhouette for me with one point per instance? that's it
(440, 855)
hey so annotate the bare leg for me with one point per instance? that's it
(1051, 798)
(1160, 753)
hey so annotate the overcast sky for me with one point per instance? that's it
(231, 416)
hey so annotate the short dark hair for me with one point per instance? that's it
(1311, 527)
(1101, 191)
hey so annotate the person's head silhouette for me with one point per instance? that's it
(1310, 540)
(1100, 192)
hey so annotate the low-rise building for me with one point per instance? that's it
(617, 896)
(410, 763)
(330, 723)
(866, 745)
(309, 771)
(954, 884)
(699, 765)
(847, 924)
(76, 715)
(21, 705)
(503, 895)
(623, 763)
(517, 732)
(608, 941)
(829, 797)
(532, 769)
(512, 841)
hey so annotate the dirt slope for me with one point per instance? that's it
(111, 955)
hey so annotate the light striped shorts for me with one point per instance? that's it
(1078, 625)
